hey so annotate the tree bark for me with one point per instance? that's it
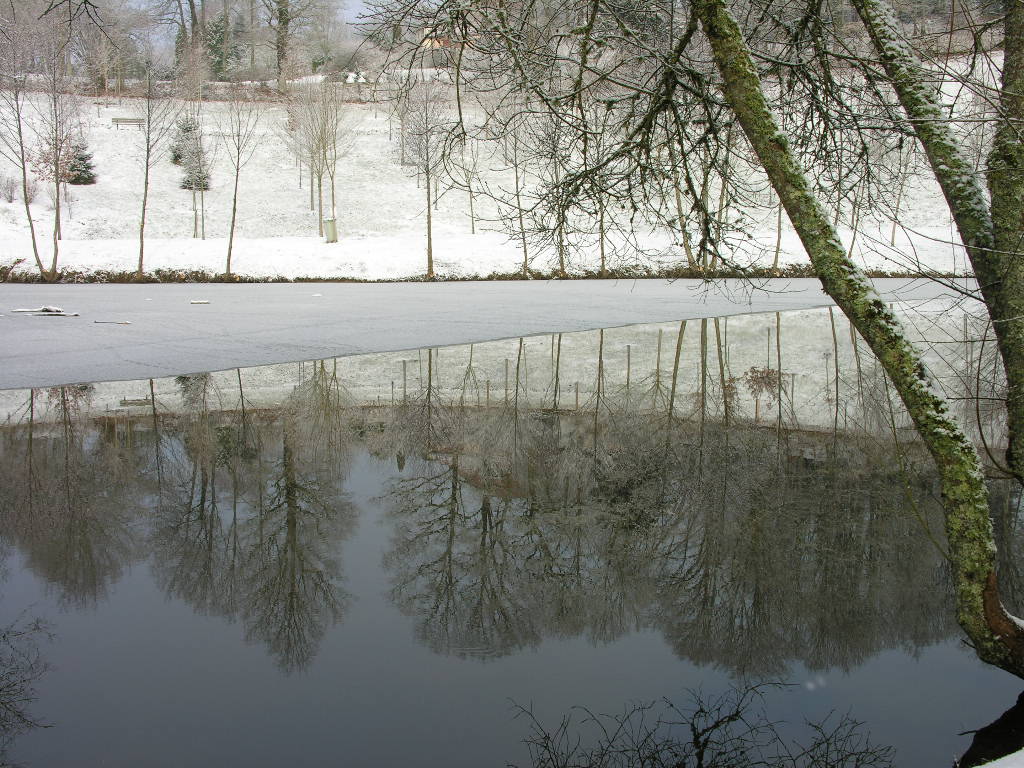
(994, 634)
(283, 18)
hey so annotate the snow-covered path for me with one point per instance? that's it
(245, 325)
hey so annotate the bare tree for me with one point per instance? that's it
(158, 115)
(57, 119)
(464, 169)
(240, 129)
(16, 47)
(321, 132)
(512, 151)
(427, 126)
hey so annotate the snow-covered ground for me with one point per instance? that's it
(1016, 760)
(380, 211)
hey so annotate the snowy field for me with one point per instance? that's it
(380, 210)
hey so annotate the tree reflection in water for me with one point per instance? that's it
(740, 550)
(261, 546)
(66, 492)
(21, 666)
(241, 515)
(513, 520)
(744, 547)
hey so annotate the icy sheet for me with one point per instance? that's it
(246, 325)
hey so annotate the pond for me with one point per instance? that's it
(432, 558)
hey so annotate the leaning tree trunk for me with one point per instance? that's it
(994, 634)
(992, 236)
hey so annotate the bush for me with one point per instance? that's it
(8, 188)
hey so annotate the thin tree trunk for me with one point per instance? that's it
(600, 389)
(283, 18)
(778, 242)
(430, 232)
(703, 375)
(675, 370)
(320, 204)
(234, 214)
(691, 262)
(252, 35)
(558, 366)
(675, 378)
(55, 116)
(726, 405)
(899, 197)
(522, 224)
(835, 362)
(778, 368)
(142, 215)
(23, 163)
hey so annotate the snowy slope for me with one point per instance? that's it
(381, 214)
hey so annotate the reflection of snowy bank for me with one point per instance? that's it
(711, 369)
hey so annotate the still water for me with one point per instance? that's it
(333, 581)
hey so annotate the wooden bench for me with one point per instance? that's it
(129, 401)
(119, 121)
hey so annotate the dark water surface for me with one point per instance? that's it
(327, 583)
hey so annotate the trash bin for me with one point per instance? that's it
(330, 231)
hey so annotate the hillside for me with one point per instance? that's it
(381, 214)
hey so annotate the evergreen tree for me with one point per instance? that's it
(185, 135)
(194, 163)
(197, 176)
(187, 151)
(222, 50)
(180, 47)
(80, 170)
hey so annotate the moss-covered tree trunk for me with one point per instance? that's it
(993, 235)
(994, 634)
